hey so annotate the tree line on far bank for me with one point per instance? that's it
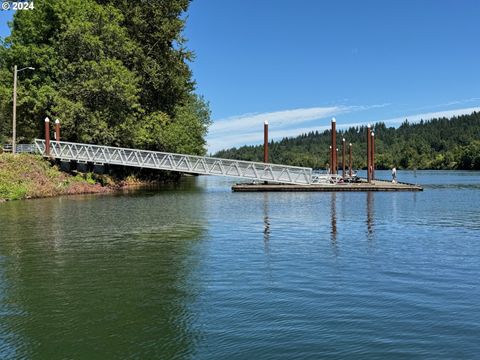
(435, 144)
(115, 72)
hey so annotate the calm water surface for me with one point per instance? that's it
(194, 271)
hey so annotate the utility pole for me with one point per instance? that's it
(14, 125)
(14, 122)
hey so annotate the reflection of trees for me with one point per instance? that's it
(104, 276)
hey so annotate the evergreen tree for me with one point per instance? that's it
(114, 72)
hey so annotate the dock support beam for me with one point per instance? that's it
(47, 136)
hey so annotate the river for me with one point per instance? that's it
(194, 271)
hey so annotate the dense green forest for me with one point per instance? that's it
(436, 144)
(115, 72)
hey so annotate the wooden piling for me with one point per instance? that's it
(265, 143)
(57, 130)
(47, 136)
(331, 160)
(334, 146)
(350, 162)
(372, 144)
(369, 153)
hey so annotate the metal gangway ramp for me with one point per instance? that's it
(204, 165)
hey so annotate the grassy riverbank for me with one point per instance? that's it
(28, 176)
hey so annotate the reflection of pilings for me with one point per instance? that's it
(334, 217)
(266, 222)
(370, 204)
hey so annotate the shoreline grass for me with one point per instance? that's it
(26, 176)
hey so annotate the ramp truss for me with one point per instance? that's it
(204, 165)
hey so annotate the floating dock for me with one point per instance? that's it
(376, 185)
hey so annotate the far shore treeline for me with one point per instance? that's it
(115, 72)
(436, 144)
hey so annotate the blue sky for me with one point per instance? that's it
(298, 63)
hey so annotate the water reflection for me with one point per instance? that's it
(333, 221)
(87, 277)
(101, 275)
(370, 214)
(266, 223)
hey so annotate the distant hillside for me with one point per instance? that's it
(435, 144)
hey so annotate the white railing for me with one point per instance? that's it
(20, 148)
(204, 165)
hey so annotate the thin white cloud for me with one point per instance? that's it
(231, 138)
(450, 103)
(282, 119)
(243, 129)
(278, 118)
(431, 115)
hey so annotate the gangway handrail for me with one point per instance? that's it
(196, 164)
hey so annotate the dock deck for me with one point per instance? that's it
(376, 185)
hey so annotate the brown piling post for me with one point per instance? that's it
(350, 162)
(47, 136)
(343, 157)
(334, 145)
(336, 161)
(372, 144)
(369, 163)
(57, 130)
(331, 160)
(265, 142)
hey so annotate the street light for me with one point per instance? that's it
(14, 135)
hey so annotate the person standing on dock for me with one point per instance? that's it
(394, 175)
